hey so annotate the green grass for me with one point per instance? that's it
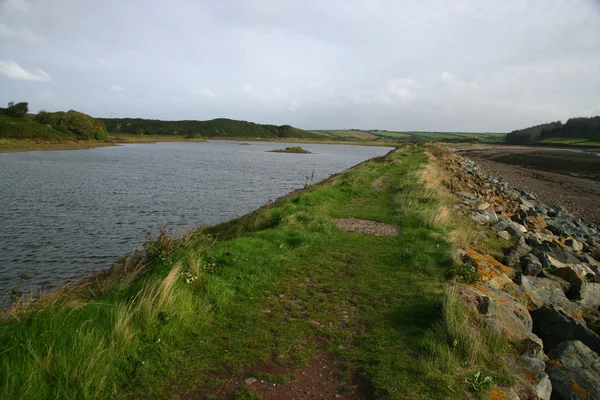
(570, 141)
(440, 136)
(274, 285)
(26, 128)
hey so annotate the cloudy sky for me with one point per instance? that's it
(469, 65)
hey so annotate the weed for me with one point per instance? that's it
(478, 381)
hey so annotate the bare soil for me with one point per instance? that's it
(580, 195)
(320, 380)
(366, 227)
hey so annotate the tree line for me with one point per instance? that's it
(574, 128)
(220, 127)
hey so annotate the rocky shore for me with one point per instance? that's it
(543, 295)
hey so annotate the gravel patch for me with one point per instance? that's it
(366, 227)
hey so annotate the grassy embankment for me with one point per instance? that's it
(275, 286)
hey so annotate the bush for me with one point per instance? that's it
(17, 110)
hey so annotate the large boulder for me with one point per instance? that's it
(531, 265)
(505, 315)
(490, 270)
(519, 250)
(548, 292)
(531, 380)
(574, 370)
(554, 326)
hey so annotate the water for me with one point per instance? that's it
(64, 214)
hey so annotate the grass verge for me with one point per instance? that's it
(273, 286)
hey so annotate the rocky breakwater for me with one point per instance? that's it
(544, 294)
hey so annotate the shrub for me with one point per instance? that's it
(17, 110)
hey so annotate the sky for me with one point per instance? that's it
(434, 65)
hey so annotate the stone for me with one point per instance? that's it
(483, 205)
(590, 297)
(531, 378)
(504, 235)
(531, 265)
(464, 195)
(505, 315)
(490, 270)
(516, 229)
(575, 277)
(519, 250)
(500, 226)
(250, 381)
(574, 244)
(554, 326)
(573, 369)
(547, 292)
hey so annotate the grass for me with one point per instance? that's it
(577, 142)
(273, 286)
(293, 149)
(12, 145)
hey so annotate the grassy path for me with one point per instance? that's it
(272, 291)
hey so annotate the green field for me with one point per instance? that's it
(570, 142)
(440, 136)
(275, 287)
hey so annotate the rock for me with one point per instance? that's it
(548, 292)
(532, 382)
(519, 250)
(500, 226)
(573, 369)
(484, 217)
(590, 297)
(490, 270)
(250, 381)
(504, 394)
(574, 244)
(505, 315)
(504, 235)
(464, 195)
(516, 229)
(554, 326)
(531, 265)
(483, 205)
(575, 278)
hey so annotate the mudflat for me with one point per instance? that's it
(563, 177)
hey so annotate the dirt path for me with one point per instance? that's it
(581, 196)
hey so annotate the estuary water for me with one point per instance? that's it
(64, 214)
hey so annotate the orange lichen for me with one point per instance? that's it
(578, 389)
(554, 363)
(498, 394)
(531, 378)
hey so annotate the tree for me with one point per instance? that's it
(17, 110)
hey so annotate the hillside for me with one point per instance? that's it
(220, 127)
(575, 132)
(16, 123)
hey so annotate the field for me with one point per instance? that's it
(575, 142)
(342, 133)
(441, 136)
(276, 290)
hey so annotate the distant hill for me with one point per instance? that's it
(575, 132)
(70, 125)
(220, 127)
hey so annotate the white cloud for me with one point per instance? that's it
(18, 5)
(13, 70)
(457, 84)
(20, 34)
(116, 88)
(202, 92)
